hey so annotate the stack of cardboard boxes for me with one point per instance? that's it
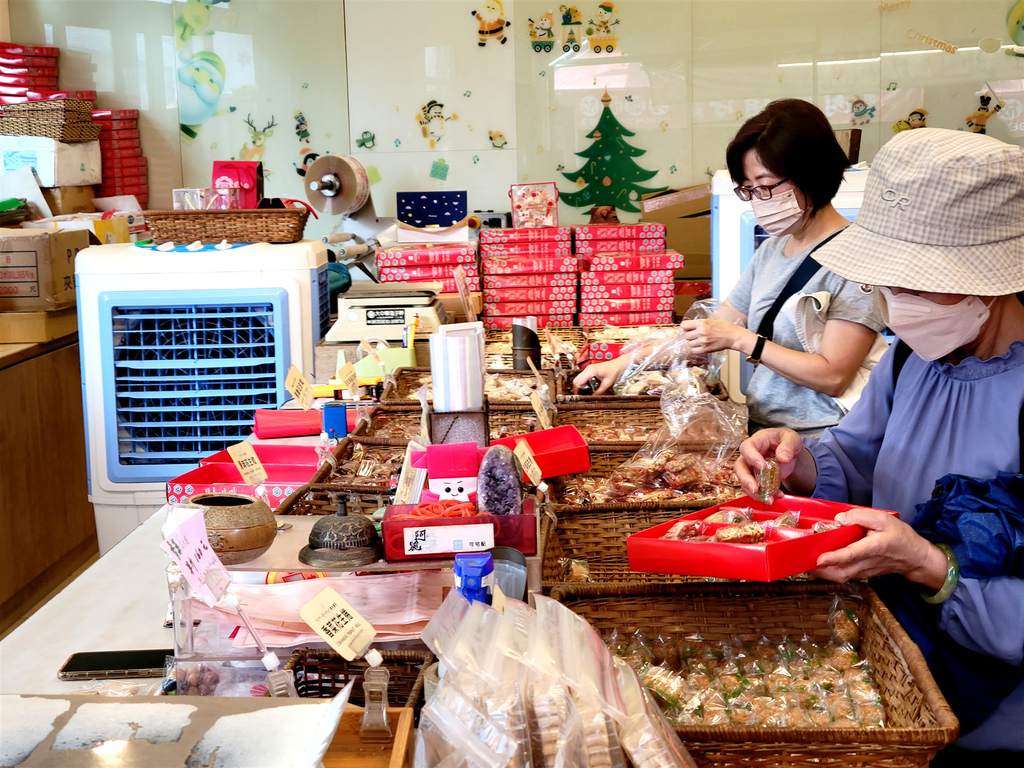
(125, 170)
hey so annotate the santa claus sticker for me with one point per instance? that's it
(491, 18)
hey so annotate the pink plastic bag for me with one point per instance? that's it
(246, 176)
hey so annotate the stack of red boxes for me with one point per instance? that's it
(429, 262)
(529, 272)
(627, 274)
(125, 171)
(27, 70)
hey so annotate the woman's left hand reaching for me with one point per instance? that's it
(891, 546)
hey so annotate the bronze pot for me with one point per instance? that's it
(240, 528)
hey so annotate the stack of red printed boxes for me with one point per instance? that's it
(125, 171)
(529, 272)
(26, 71)
(429, 262)
(627, 274)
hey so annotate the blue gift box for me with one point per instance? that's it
(432, 209)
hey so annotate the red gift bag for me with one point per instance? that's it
(247, 176)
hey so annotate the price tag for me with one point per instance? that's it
(189, 546)
(459, 273)
(410, 480)
(498, 599)
(541, 384)
(530, 468)
(247, 463)
(299, 387)
(369, 350)
(338, 623)
(444, 539)
(349, 380)
(541, 410)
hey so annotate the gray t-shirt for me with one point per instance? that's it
(772, 399)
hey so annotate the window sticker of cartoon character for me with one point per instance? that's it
(433, 122)
(492, 22)
(977, 120)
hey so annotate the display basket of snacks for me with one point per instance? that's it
(321, 673)
(586, 546)
(500, 386)
(619, 423)
(795, 674)
(615, 480)
(498, 348)
(249, 225)
(360, 480)
(389, 425)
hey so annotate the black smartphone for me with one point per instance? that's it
(95, 665)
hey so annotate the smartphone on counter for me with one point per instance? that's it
(96, 665)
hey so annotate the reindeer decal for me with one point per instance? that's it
(254, 148)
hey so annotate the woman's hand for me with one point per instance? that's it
(714, 335)
(891, 546)
(796, 465)
(607, 373)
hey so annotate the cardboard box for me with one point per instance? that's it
(37, 268)
(112, 230)
(686, 214)
(69, 199)
(37, 327)
(55, 163)
(785, 551)
(453, 303)
(690, 291)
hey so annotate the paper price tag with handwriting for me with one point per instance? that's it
(498, 599)
(247, 463)
(338, 623)
(541, 410)
(349, 380)
(530, 467)
(299, 387)
(369, 350)
(189, 546)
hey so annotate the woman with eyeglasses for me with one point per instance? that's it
(787, 163)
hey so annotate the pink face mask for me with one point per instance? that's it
(778, 213)
(933, 330)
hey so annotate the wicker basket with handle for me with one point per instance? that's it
(918, 720)
(250, 225)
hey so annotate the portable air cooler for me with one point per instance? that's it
(178, 349)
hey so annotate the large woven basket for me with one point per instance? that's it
(604, 459)
(388, 419)
(640, 416)
(919, 722)
(575, 336)
(61, 130)
(251, 225)
(321, 673)
(405, 383)
(598, 537)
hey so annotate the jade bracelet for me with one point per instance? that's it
(952, 576)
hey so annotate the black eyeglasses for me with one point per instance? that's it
(761, 193)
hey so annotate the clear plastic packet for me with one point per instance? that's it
(666, 652)
(498, 740)
(824, 525)
(473, 644)
(768, 480)
(555, 728)
(505, 705)
(684, 529)
(745, 533)
(638, 650)
(121, 688)
(790, 519)
(845, 623)
(449, 742)
(508, 389)
(871, 713)
(644, 733)
(209, 678)
(600, 737)
(440, 632)
(669, 688)
(577, 570)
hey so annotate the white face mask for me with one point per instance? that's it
(778, 213)
(933, 330)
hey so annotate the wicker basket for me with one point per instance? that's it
(575, 336)
(253, 225)
(73, 110)
(321, 673)
(404, 417)
(406, 381)
(604, 459)
(327, 491)
(919, 721)
(619, 414)
(599, 538)
(61, 130)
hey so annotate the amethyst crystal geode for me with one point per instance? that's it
(499, 488)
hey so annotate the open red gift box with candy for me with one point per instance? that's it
(287, 467)
(783, 550)
(431, 538)
(557, 451)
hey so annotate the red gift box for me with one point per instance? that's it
(648, 304)
(28, 81)
(642, 290)
(525, 235)
(134, 162)
(550, 293)
(288, 467)
(594, 320)
(107, 134)
(540, 280)
(667, 259)
(431, 538)
(543, 248)
(627, 277)
(16, 60)
(115, 114)
(29, 50)
(787, 551)
(21, 95)
(426, 254)
(516, 265)
(619, 247)
(423, 273)
(557, 451)
(562, 307)
(618, 231)
(29, 71)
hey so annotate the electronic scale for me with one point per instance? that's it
(383, 310)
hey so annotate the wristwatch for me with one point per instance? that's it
(755, 356)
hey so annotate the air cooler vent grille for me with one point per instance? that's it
(187, 379)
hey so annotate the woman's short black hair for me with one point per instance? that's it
(794, 140)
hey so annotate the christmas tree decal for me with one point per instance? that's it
(610, 174)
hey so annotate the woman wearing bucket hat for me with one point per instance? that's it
(787, 163)
(941, 232)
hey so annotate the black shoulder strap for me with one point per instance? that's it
(799, 279)
(901, 351)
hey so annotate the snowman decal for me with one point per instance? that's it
(862, 113)
(433, 122)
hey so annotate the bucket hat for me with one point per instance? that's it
(943, 211)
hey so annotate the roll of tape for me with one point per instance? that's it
(337, 184)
